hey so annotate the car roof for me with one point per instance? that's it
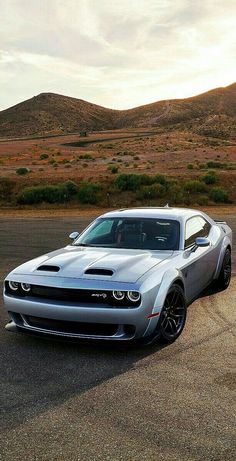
(154, 212)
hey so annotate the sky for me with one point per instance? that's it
(115, 53)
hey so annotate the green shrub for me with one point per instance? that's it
(134, 181)
(59, 193)
(202, 200)
(161, 179)
(71, 187)
(128, 181)
(113, 169)
(210, 177)
(21, 171)
(6, 188)
(175, 194)
(43, 156)
(219, 195)
(85, 157)
(89, 193)
(190, 166)
(218, 165)
(151, 192)
(194, 187)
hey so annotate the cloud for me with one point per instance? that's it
(118, 54)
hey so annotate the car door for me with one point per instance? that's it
(198, 265)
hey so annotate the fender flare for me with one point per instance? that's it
(225, 243)
(169, 278)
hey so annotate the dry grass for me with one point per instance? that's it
(139, 151)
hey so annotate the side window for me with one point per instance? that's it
(196, 227)
(206, 226)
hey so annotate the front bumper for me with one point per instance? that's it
(99, 323)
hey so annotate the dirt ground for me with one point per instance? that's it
(137, 150)
(92, 212)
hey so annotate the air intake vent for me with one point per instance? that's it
(48, 268)
(107, 272)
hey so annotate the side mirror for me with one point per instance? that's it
(74, 235)
(202, 242)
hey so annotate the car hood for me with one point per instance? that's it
(124, 265)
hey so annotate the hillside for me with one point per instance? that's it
(211, 114)
(50, 113)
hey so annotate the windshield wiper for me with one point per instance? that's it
(82, 245)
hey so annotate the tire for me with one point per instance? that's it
(224, 278)
(172, 319)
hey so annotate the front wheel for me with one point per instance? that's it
(173, 317)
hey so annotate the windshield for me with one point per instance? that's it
(132, 233)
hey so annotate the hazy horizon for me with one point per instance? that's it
(118, 55)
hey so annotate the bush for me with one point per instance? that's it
(175, 195)
(6, 188)
(71, 187)
(133, 182)
(202, 200)
(161, 179)
(43, 156)
(190, 166)
(210, 178)
(89, 193)
(217, 164)
(59, 193)
(85, 157)
(219, 195)
(152, 192)
(194, 187)
(21, 171)
(129, 181)
(113, 169)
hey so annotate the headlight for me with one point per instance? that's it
(13, 285)
(133, 296)
(26, 287)
(118, 295)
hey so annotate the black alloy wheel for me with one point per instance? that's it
(172, 318)
(173, 315)
(225, 272)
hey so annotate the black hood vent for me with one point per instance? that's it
(107, 272)
(48, 268)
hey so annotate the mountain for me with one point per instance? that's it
(212, 113)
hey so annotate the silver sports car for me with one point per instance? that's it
(128, 276)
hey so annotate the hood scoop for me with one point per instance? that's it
(107, 272)
(48, 268)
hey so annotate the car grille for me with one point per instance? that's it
(74, 296)
(79, 328)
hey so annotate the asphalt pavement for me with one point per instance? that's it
(67, 401)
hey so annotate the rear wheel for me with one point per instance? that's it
(173, 316)
(223, 280)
